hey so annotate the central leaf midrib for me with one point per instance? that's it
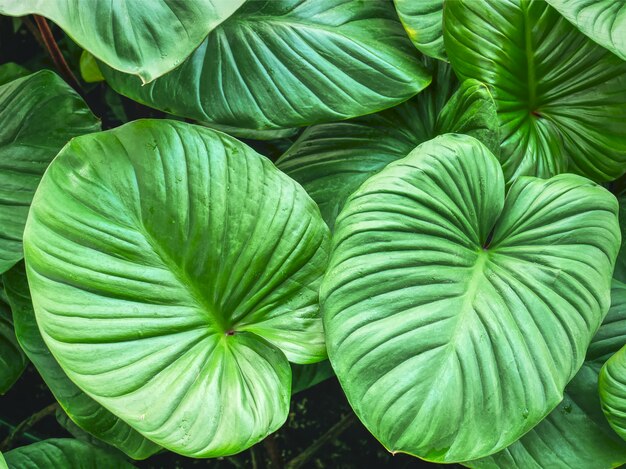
(184, 280)
(530, 62)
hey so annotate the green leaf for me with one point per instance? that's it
(82, 409)
(63, 453)
(12, 359)
(89, 70)
(289, 63)
(422, 21)
(307, 376)
(561, 97)
(39, 113)
(332, 160)
(11, 71)
(604, 21)
(620, 265)
(174, 271)
(575, 434)
(144, 39)
(454, 317)
(612, 388)
(3, 463)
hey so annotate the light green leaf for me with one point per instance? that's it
(12, 359)
(82, 409)
(332, 160)
(306, 376)
(604, 21)
(620, 266)
(39, 113)
(142, 38)
(561, 97)
(612, 388)
(174, 271)
(454, 317)
(575, 434)
(423, 20)
(289, 63)
(89, 69)
(11, 71)
(63, 453)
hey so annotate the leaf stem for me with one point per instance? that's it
(55, 53)
(27, 424)
(273, 451)
(334, 431)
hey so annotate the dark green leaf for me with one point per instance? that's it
(39, 114)
(561, 97)
(289, 63)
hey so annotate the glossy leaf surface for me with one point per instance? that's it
(576, 433)
(454, 317)
(63, 453)
(561, 97)
(146, 39)
(82, 409)
(287, 63)
(174, 272)
(39, 114)
(332, 160)
(604, 21)
(12, 359)
(423, 20)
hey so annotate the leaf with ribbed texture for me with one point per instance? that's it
(3, 463)
(423, 22)
(576, 433)
(39, 113)
(63, 453)
(604, 21)
(306, 376)
(561, 97)
(332, 160)
(12, 358)
(142, 38)
(82, 409)
(288, 63)
(620, 266)
(454, 317)
(612, 388)
(174, 272)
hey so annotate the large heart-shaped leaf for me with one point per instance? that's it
(289, 63)
(575, 434)
(12, 359)
(173, 272)
(612, 387)
(561, 97)
(82, 409)
(332, 160)
(423, 23)
(63, 453)
(454, 317)
(146, 39)
(39, 113)
(604, 21)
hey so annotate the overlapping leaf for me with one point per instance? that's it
(423, 23)
(561, 97)
(332, 160)
(454, 317)
(39, 114)
(82, 409)
(12, 359)
(612, 387)
(287, 63)
(174, 271)
(146, 39)
(576, 433)
(62, 453)
(604, 21)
